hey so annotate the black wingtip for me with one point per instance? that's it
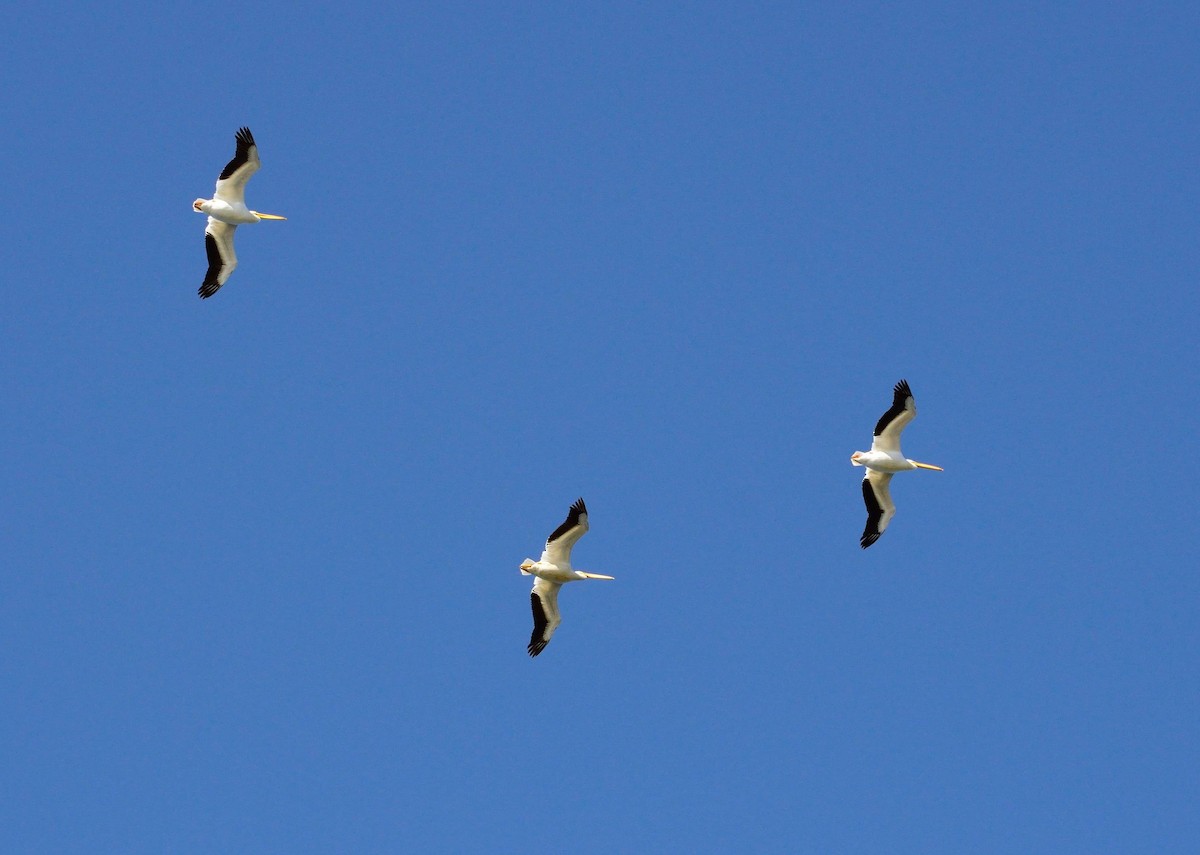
(578, 509)
(900, 395)
(245, 141)
(537, 641)
(211, 282)
(871, 532)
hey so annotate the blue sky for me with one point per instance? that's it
(259, 589)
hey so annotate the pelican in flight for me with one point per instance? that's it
(553, 569)
(884, 460)
(227, 210)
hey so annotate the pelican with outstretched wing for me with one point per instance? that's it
(553, 570)
(884, 460)
(227, 210)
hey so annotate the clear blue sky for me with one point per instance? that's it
(259, 587)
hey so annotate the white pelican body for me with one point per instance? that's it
(227, 210)
(884, 460)
(553, 570)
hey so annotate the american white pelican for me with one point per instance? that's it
(884, 460)
(227, 210)
(553, 569)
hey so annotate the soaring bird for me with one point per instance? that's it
(884, 460)
(553, 570)
(227, 210)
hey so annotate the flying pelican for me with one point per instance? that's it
(227, 210)
(553, 569)
(884, 460)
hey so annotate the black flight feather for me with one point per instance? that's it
(901, 394)
(210, 284)
(244, 141)
(874, 514)
(577, 510)
(537, 642)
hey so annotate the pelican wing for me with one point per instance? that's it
(231, 185)
(218, 240)
(880, 509)
(891, 423)
(559, 543)
(544, 599)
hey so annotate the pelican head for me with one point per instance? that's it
(583, 575)
(926, 466)
(263, 216)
